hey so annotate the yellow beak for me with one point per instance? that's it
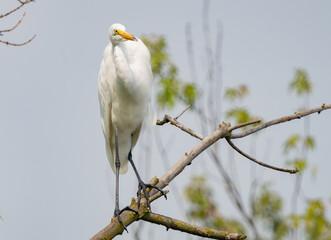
(126, 36)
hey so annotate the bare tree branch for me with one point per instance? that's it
(190, 228)
(163, 151)
(280, 120)
(258, 162)
(179, 115)
(115, 228)
(128, 217)
(18, 23)
(174, 122)
(15, 9)
(224, 131)
(187, 158)
(18, 44)
(245, 124)
(11, 29)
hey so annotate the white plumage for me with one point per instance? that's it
(124, 89)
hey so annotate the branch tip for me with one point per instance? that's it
(291, 171)
(182, 112)
(18, 44)
(296, 115)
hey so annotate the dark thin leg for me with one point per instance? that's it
(117, 211)
(142, 186)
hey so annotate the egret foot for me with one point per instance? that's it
(142, 186)
(118, 212)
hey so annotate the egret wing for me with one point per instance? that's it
(105, 79)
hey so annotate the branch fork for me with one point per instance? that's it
(224, 130)
(22, 3)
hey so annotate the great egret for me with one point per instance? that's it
(124, 89)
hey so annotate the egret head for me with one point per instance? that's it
(118, 34)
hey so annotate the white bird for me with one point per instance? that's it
(124, 89)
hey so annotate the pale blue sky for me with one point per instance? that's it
(55, 180)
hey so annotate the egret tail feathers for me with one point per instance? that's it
(150, 119)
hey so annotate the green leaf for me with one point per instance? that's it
(309, 142)
(267, 207)
(292, 142)
(202, 207)
(240, 115)
(299, 163)
(190, 93)
(294, 220)
(301, 83)
(230, 94)
(316, 224)
(167, 95)
(165, 72)
(242, 90)
(235, 93)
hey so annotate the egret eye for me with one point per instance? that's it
(115, 32)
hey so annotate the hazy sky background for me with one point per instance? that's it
(55, 180)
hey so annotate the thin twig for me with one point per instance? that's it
(164, 120)
(18, 44)
(182, 112)
(182, 127)
(171, 223)
(280, 120)
(174, 122)
(245, 124)
(222, 132)
(15, 9)
(11, 29)
(258, 162)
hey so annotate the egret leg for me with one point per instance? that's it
(142, 186)
(117, 211)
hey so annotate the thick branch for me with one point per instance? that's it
(115, 228)
(224, 131)
(189, 228)
(280, 120)
(187, 158)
